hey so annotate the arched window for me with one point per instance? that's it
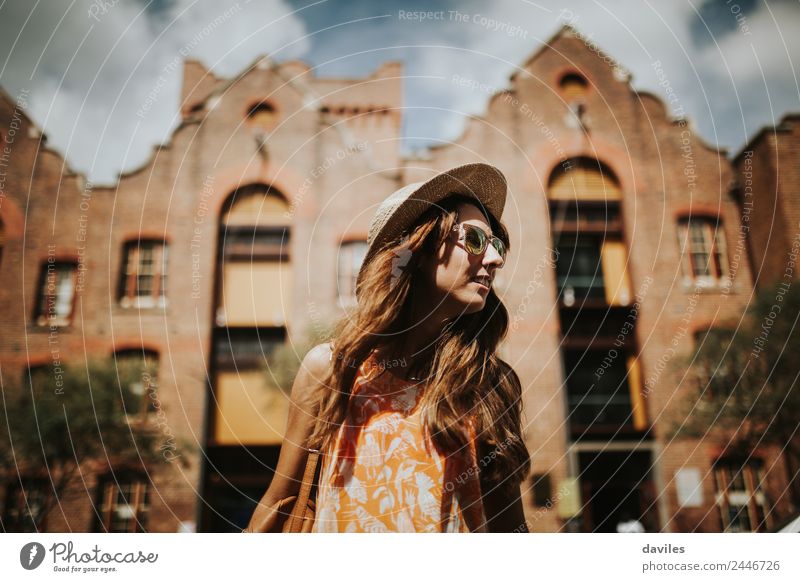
(573, 87)
(592, 258)
(255, 303)
(262, 116)
(256, 268)
(583, 179)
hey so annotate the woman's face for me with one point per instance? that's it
(458, 282)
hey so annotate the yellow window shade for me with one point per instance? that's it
(256, 208)
(573, 86)
(583, 179)
(617, 283)
(637, 398)
(262, 116)
(569, 504)
(257, 293)
(247, 411)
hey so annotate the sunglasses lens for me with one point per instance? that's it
(500, 248)
(474, 240)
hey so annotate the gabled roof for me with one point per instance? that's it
(780, 127)
(567, 31)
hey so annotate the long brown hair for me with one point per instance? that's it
(467, 380)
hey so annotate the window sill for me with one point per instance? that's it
(47, 326)
(143, 302)
(155, 309)
(711, 286)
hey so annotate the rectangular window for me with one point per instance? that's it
(144, 275)
(123, 506)
(56, 293)
(598, 391)
(247, 243)
(138, 369)
(246, 348)
(578, 269)
(351, 255)
(24, 505)
(585, 216)
(740, 496)
(702, 243)
(713, 360)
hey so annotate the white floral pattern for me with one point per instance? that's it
(383, 477)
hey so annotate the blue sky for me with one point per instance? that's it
(89, 65)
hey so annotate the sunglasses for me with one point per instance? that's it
(476, 240)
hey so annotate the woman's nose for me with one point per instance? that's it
(491, 258)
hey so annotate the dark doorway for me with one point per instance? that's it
(236, 479)
(617, 485)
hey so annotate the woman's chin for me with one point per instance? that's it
(466, 303)
(476, 304)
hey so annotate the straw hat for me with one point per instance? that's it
(399, 211)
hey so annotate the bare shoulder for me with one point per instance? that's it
(318, 359)
(311, 374)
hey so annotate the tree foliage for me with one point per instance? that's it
(283, 363)
(744, 381)
(59, 419)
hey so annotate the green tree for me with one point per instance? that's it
(58, 420)
(744, 382)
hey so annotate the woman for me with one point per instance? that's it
(418, 419)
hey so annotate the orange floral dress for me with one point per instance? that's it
(386, 476)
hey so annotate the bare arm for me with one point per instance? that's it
(294, 451)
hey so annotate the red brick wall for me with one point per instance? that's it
(663, 167)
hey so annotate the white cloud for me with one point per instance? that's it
(92, 65)
(86, 93)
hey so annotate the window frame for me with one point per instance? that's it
(748, 499)
(147, 405)
(573, 390)
(347, 270)
(712, 232)
(17, 504)
(41, 316)
(109, 488)
(129, 284)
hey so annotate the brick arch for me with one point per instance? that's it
(135, 344)
(228, 201)
(545, 159)
(298, 192)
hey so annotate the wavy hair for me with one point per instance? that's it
(469, 390)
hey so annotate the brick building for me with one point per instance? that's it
(246, 230)
(768, 172)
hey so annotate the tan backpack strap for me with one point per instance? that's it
(300, 512)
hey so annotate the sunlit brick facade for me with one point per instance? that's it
(245, 229)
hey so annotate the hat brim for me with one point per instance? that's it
(485, 183)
